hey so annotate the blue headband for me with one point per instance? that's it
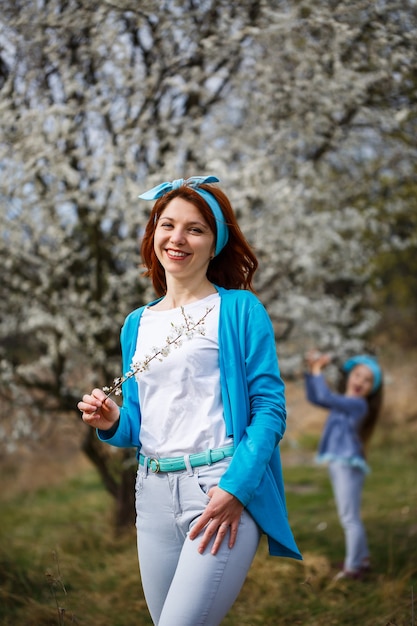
(194, 182)
(370, 362)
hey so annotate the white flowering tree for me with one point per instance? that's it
(305, 110)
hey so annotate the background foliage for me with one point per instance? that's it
(305, 110)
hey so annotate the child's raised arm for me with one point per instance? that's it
(316, 361)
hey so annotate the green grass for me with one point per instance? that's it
(60, 562)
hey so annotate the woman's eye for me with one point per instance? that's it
(192, 229)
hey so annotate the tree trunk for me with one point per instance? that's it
(125, 513)
(118, 476)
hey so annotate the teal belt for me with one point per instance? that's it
(177, 463)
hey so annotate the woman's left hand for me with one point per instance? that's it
(221, 517)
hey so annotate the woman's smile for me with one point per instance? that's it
(176, 254)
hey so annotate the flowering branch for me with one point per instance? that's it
(174, 340)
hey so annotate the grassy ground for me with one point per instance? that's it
(61, 564)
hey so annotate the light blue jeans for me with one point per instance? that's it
(347, 483)
(181, 586)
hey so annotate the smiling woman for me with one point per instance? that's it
(206, 418)
(184, 244)
(233, 264)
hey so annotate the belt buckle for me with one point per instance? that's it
(154, 465)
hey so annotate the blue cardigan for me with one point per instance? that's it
(254, 411)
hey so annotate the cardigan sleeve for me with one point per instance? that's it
(255, 387)
(126, 433)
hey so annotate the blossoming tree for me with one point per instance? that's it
(307, 113)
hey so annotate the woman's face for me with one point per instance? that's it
(183, 241)
(360, 381)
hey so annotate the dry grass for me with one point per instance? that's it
(61, 564)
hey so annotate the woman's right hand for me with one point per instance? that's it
(98, 410)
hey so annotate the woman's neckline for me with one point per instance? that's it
(156, 308)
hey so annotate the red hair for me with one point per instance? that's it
(232, 268)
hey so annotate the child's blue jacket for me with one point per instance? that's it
(254, 411)
(340, 440)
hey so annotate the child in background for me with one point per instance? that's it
(348, 428)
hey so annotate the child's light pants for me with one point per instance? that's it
(181, 586)
(347, 483)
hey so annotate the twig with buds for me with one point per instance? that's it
(174, 340)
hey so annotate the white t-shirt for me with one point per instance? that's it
(180, 394)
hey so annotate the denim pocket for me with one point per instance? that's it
(208, 476)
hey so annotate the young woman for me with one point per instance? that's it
(353, 415)
(205, 409)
